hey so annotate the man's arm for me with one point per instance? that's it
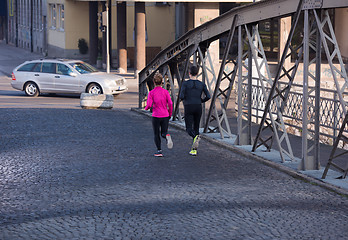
(182, 91)
(206, 92)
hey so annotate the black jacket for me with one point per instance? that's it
(191, 92)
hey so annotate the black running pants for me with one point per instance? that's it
(160, 128)
(193, 113)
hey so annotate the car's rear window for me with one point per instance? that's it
(27, 67)
(37, 67)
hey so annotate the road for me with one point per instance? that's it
(12, 98)
(72, 173)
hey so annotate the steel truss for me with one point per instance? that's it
(192, 48)
(244, 110)
(275, 96)
(222, 94)
(339, 138)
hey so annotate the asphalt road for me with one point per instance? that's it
(71, 173)
(11, 98)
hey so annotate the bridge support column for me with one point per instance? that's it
(140, 50)
(93, 32)
(122, 36)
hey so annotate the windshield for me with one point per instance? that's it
(83, 67)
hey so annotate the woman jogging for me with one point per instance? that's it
(162, 108)
(191, 94)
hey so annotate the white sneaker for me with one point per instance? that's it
(169, 141)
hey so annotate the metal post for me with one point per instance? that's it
(250, 86)
(317, 101)
(107, 39)
(239, 140)
(304, 162)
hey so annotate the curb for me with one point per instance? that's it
(287, 170)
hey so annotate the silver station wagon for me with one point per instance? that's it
(64, 76)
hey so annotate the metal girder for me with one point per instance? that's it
(273, 95)
(334, 54)
(280, 136)
(222, 94)
(310, 138)
(244, 113)
(331, 55)
(333, 154)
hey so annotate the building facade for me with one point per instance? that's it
(27, 24)
(54, 27)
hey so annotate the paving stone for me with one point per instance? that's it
(91, 174)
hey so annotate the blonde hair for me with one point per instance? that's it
(158, 79)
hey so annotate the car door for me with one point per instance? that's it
(47, 76)
(65, 81)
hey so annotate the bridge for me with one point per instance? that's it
(270, 99)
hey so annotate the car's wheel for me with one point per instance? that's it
(31, 89)
(94, 88)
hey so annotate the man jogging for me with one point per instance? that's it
(191, 94)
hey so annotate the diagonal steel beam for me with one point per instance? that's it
(278, 74)
(217, 90)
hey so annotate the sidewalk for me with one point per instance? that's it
(273, 159)
(11, 56)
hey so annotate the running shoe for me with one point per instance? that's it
(193, 152)
(169, 141)
(158, 153)
(196, 142)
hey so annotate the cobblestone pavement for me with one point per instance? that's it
(90, 174)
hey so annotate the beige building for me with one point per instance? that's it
(68, 21)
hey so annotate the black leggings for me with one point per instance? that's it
(193, 113)
(160, 128)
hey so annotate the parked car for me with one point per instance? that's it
(64, 76)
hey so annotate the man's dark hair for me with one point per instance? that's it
(194, 70)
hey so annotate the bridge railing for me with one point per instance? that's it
(331, 114)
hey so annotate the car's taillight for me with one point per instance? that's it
(13, 77)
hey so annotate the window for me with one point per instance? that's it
(37, 67)
(27, 67)
(61, 16)
(53, 16)
(49, 67)
(83, 67)
(63, 69)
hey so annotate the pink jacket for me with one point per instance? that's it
(160, 101)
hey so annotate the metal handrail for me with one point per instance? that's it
(333, 102)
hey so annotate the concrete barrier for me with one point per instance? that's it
(96, 101)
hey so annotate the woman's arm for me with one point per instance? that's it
(149, 101)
